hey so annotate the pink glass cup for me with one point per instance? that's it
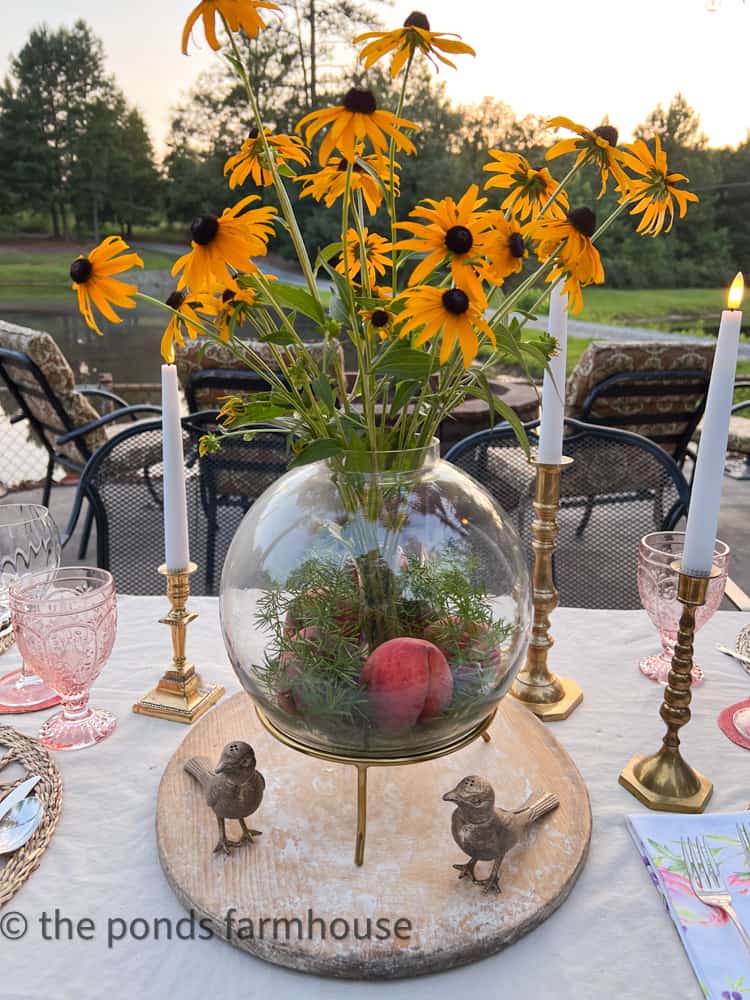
(65, 622)
(29, 543)
(657, 586)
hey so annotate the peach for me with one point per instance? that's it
(407, 679)
(464, 642)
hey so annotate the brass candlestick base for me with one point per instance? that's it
(664, 781)
(549, 697)
(180, 695)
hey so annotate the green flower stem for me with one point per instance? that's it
(610, 219)
(561, 186)
(392, 171)
(278, 183)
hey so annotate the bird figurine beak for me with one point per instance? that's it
(451, 796)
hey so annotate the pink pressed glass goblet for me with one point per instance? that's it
(65, 622)
(657, 586)
(29, 543)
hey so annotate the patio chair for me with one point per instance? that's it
(60, 413)
(123, 483)
(620, 487)
(653, 388)
(207, 371)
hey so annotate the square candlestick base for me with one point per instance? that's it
(550, 711)
(176, 707)
(634, 770)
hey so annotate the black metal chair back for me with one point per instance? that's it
(664, 406)
(123, 481)
(619, 487)
(205, 386)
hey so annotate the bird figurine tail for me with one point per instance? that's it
(199, 768)
(543, 806)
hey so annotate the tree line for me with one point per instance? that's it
(72, 147)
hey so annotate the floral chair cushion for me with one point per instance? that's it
(601, 359)
(198, 355)
(45, 353)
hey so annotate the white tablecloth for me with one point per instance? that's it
(611, 938)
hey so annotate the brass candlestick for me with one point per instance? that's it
(664, 780)
(180, 695)
(549, 697)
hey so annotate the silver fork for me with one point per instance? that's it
(707, 883)
(744, 835)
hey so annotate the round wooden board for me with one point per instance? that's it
(302, 866)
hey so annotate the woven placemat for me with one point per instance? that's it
(32, 756)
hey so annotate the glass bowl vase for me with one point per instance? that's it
(376, 605)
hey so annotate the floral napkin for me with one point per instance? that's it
(719, 959)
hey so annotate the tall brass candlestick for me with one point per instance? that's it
(180, 695)
(664, 780)
(549, 697)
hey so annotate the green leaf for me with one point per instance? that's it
(514, 420)
(282, 338)
(299, 299)
(255, 413)
(402, 396)
(404, 362)
(322, 448)
(322, 388)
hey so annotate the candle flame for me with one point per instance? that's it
(736, 292)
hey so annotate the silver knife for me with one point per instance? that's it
(744, 660)
(17, 794)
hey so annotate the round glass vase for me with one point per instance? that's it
(376, 605)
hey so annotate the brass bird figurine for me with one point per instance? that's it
(486, 833)
(234, 790)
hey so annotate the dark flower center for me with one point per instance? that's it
(458, 239)
(379, 318)
(176, 299)
(360, 102)
(227, 295)
(344, 163)
(516, 245)
(455, 301)
(80, 270)
(607, 132)
(417, 20)
(204, 228)
(253, 134)
(584, 220)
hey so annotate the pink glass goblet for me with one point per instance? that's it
(29, 543)
(657, 586)
(65, 622)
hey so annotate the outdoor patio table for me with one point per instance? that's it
(611, 938)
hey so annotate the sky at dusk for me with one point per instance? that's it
(580, 58)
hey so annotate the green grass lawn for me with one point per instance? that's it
(51, 269)
(637, 306)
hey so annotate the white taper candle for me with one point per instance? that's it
(175, 498)
(705, 497)
(553, 387)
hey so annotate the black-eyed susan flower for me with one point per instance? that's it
(450, 313)
(354, 121)
(415, 36)
(229, 241)
(503, 248)
(529, 188)
(377, 316)
(654, 188)
(93, 280)
(232, 308)
(237, 14)
(184, 318)
(451, 231)
(376, 251)
(568, 241)
(597, 146)
(251, 160)
(329, 183)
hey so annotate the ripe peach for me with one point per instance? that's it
(406, 679)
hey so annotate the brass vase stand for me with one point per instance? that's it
(180, 695)
(665, 781)
(549, 697)
(361, 764)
